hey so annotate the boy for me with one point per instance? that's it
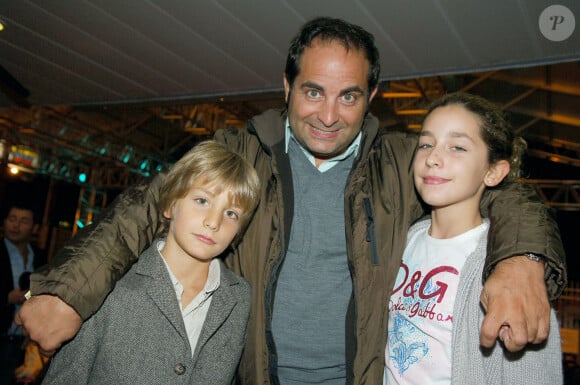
(178, 316)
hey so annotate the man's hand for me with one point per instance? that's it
(516, 303)
(48, 321)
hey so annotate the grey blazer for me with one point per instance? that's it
(138, 335)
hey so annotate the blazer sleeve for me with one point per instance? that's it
(521, 223)
(86, 269)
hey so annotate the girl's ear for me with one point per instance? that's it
(496, 173)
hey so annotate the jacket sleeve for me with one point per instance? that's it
(73, 363)
(521, 223)
(85, 270)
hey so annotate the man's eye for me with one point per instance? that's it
(349, 98)
(313, 94)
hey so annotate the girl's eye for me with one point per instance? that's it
(424, 146)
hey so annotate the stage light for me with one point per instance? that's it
(82, 177)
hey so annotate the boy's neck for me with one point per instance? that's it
(188, 270)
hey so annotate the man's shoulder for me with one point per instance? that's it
(266, 128)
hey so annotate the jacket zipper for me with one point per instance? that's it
(371, 231)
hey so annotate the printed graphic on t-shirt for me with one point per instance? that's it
(419, 296)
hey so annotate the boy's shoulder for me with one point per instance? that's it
(229, 278)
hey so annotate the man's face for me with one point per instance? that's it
(19, 225)
(329, 98)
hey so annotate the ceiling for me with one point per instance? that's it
(120, 89)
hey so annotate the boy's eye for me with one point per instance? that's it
(232, 214)
(201, 201)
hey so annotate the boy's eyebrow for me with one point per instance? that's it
(209, 192)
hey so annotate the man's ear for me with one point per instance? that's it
(373, 94)
(496, 173)
(286, 89)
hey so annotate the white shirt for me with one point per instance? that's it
(18, 267)
(421, 308)
(195, 313)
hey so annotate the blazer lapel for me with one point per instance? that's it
(222, 302)
(159, 287)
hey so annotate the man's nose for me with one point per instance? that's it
(328, 114)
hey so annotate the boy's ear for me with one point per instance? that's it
(496, 173)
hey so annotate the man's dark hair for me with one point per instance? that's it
(21, 205)
(327, 29)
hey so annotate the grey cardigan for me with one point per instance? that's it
(473, 365)
(138, 335)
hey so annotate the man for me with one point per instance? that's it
(17, 259)
(324, 246)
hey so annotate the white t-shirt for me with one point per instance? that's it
(421, 308)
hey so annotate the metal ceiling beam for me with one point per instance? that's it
(559, 194)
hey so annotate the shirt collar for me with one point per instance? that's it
(213, 276)
(329, 163)
(13, 252)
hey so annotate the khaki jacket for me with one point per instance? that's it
(380, 206)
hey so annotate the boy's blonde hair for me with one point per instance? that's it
(211, 164)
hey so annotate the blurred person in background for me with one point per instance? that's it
(18, 258)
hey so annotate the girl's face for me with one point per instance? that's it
(451, 164)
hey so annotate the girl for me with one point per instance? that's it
(465, 147)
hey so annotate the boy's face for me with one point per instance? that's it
(203, 224)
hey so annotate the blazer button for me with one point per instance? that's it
(179, 369)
